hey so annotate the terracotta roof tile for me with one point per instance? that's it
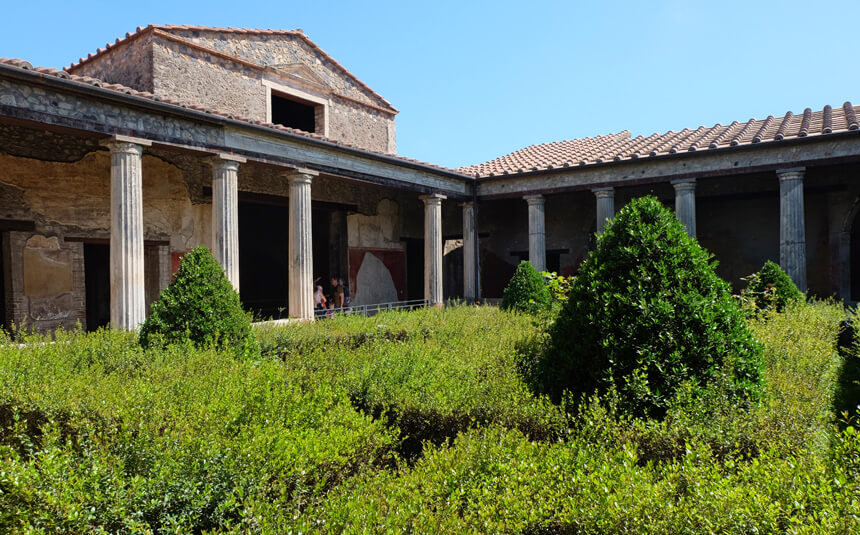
(621, 146)
(63, 74)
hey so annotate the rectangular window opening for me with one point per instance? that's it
(293, 113)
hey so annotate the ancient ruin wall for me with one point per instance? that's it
(129, 65)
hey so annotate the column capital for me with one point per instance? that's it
(602, 193)
(300, 176)
(225, 157)
(793, 173)
(687, 184)
(433, 198)
(126, 144)
(535, 199)
(467, 204)
(219, 163)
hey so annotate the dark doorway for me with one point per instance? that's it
(263, 266)
(855, 259)
(414, 268)
(264, 249)
(452, 267)
(97, 283)
(2, 286)
(294, 114)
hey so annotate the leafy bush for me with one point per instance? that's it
(558, 286)
(175, 440)
(431, 373)
(526, 291)
(771, 287)
(647, 314)
(200, 306)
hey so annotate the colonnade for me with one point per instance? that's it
(128, 306)
(792, 243)
(126, 240)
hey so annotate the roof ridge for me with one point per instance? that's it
(298, 32)
(620, 146)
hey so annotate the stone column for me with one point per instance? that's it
(470, 252)
(301, 262)
(127, 299)
(685, 203)
(225, 214)
(433, 249)
(792, 234)
(605, 206)
(537, 231)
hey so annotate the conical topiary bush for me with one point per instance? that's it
(771, 287)
(646, 314)
(526, 291)
(200, 306)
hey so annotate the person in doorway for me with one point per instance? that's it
(319, 298)
(346, 297)
(337, 292)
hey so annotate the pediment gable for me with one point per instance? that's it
(288, 52)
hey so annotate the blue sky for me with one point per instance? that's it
(476, 80)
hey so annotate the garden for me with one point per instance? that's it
(640, 396)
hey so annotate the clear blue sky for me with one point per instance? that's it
(476, 80)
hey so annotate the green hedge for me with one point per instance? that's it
(100, 435)
(647, 316)
(526, 291)
(200, 306)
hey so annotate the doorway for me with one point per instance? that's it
(3, 318)
(97, 284)
(414, 268)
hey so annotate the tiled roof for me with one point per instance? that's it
(50, 71)
(622, 147)
(182, 27)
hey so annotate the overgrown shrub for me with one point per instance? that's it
(558, 286)
(647, 314)
(526, 291)
(771, 287)
(200, 306)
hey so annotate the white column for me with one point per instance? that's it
(792, 234)
(225, 214)
(301, 262)
(537, 231)
(685, 203)
(127, 299)
(470, 252)
(433, 249)
(605, 206)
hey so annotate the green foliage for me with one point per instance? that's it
(771, 287)
(558, 286)
(647, 315)
(432, 373)
(98, 435)
(200, 306)
(526, 291)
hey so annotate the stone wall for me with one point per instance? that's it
(282, 51)
(69, 202)
(186, 74)
(130, 65)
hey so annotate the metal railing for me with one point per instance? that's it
(369, 310)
